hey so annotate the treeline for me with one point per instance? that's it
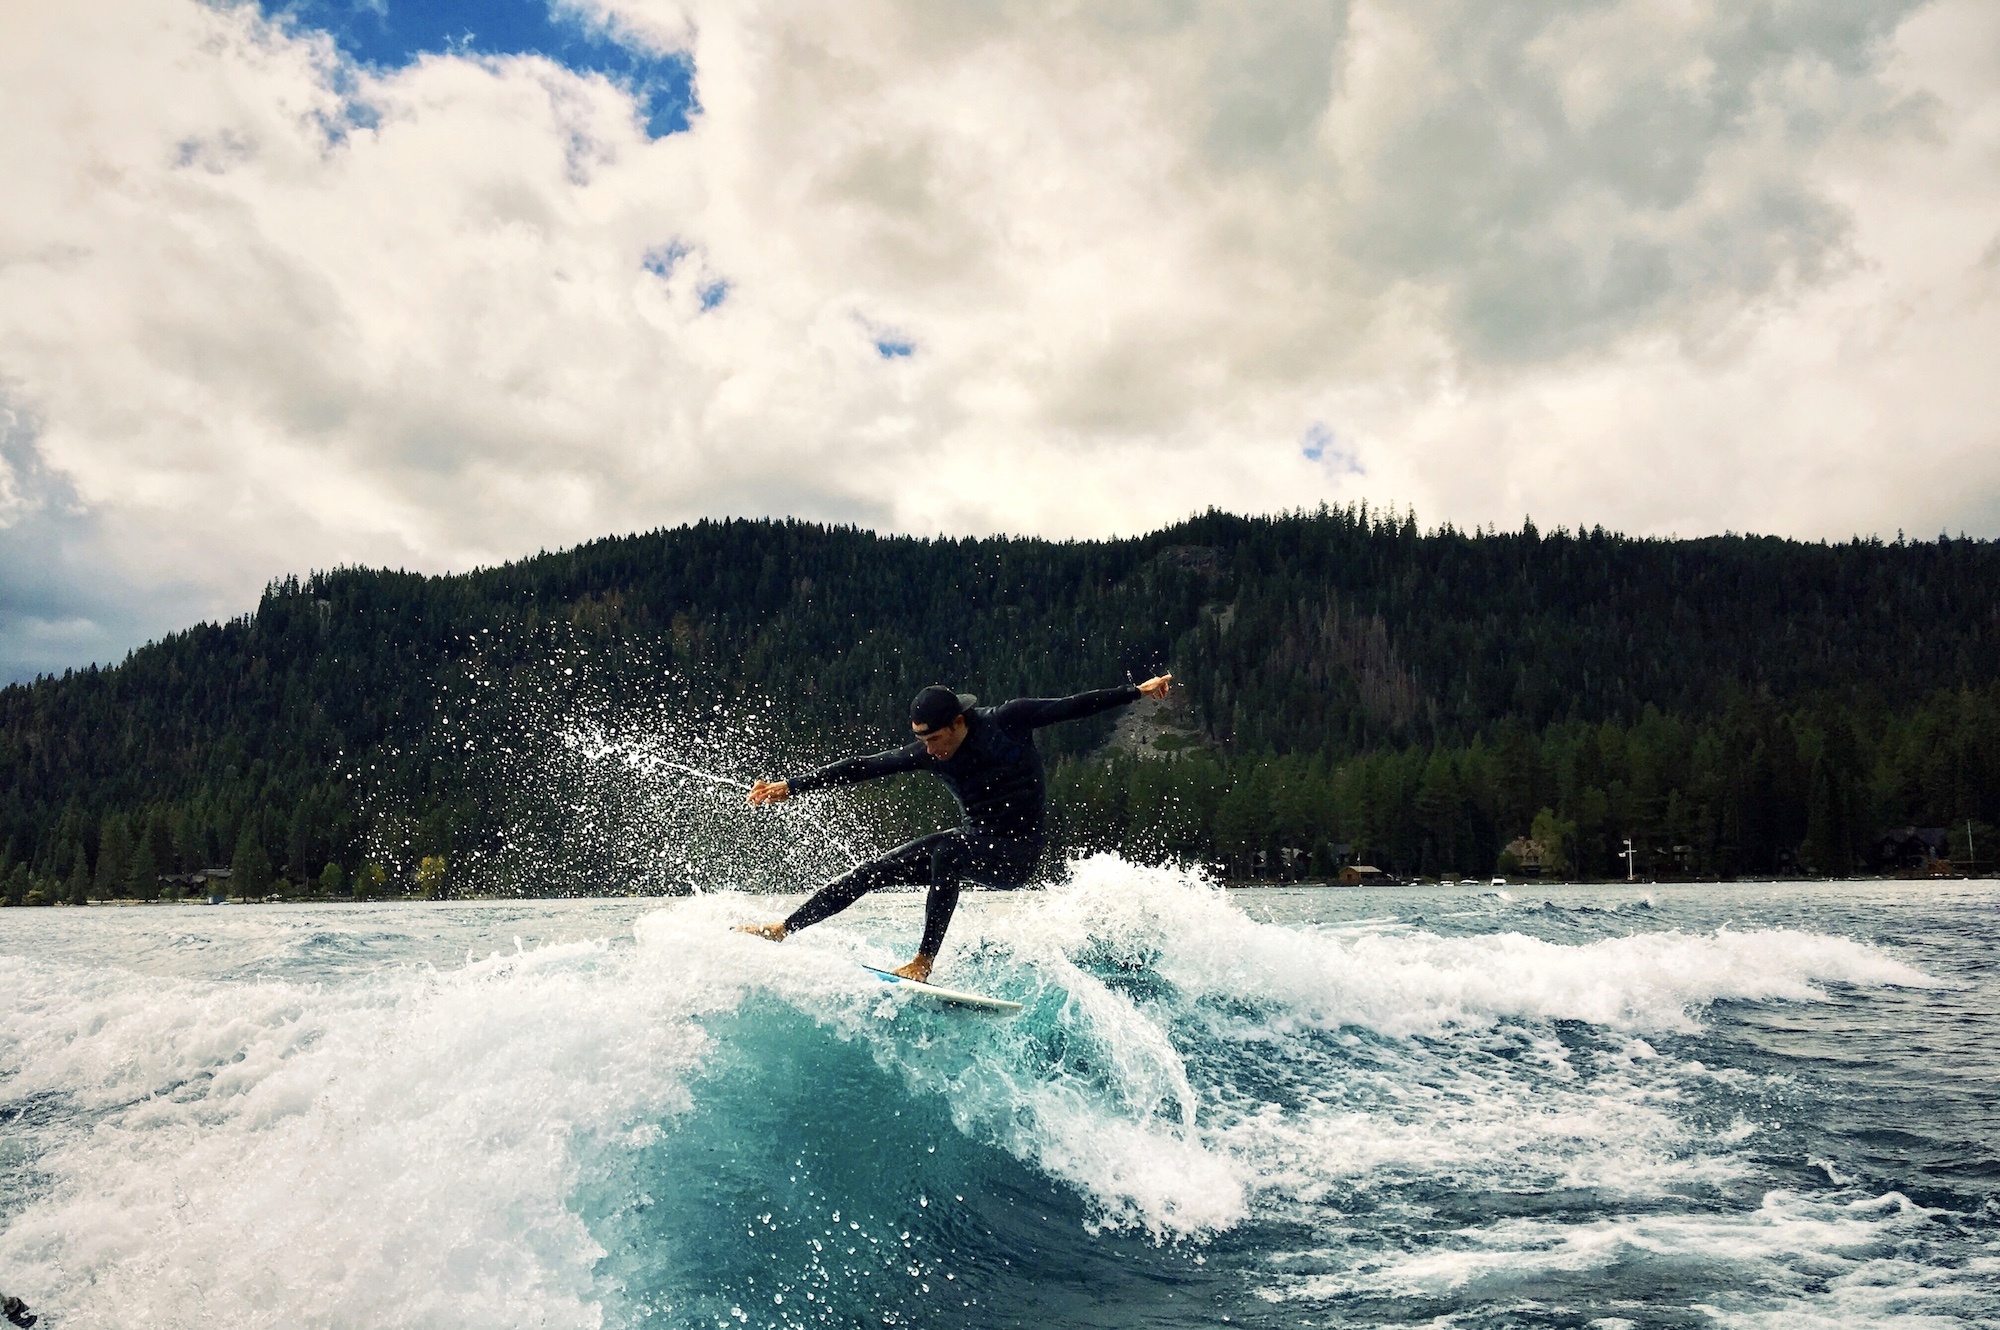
(1433, 689)
(1754, 791)
(150, 852)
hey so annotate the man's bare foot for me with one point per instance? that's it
(918, 969)
(770, 932)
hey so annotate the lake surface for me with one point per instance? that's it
(1739, 1105)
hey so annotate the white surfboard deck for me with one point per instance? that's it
(952, 995)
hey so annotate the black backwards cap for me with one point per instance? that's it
(937, 706)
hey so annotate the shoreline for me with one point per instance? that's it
(1530, 884)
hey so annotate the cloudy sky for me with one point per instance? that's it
(436, 283)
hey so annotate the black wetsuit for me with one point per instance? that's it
(996, 776)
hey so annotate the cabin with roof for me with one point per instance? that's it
(1911, 849)
(1526, 856)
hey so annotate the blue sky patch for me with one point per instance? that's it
(891, 347)
(390, 34)
(1322, 446)
(663, 259)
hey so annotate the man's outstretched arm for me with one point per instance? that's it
(847, 771)
(1035, 712)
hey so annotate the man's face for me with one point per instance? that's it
(943, 741)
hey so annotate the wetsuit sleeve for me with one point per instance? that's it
(1035, 712)
(849, 770)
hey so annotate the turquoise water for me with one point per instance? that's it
(1742, 1105)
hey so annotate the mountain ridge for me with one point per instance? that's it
(1326, 635)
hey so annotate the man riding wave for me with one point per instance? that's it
(986, 757)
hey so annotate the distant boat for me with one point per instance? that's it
(1498, 882)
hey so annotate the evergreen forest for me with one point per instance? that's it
(1352, 689)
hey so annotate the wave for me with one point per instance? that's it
(689, 1124)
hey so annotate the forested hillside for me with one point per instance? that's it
(1734, 704)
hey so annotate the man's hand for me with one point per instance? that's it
(769, 792)
(769, 932)
(1158, 686)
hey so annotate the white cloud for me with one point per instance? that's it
(1661, 264)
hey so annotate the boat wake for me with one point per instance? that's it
(668, 1123)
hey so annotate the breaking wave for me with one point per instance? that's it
(340, 1117)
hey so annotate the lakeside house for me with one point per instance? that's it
(1364, 875)
(1912, 849)
(1529, 856)
(210, 882)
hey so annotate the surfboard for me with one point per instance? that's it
(954, 996)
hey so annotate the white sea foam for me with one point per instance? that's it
(396, 1151)
(1515, 1115)
(1410, 982)
(399, 1144)
(1120, 1118)
(1837, 1263)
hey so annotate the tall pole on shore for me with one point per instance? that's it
(1629, 856)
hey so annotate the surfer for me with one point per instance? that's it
(986, 757)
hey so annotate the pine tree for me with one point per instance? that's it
(1828, 834)
(250, 869)
(304, 838)
(159, 839)
(114, 856)
(142, 878)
